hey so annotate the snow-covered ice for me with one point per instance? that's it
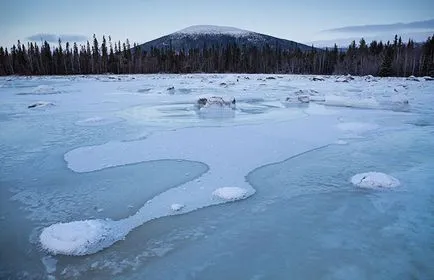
(374, 180)
(230, 193)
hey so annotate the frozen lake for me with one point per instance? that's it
(125, 177)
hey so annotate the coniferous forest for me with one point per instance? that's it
(395, 58)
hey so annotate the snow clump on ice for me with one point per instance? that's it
(176, 207)
(374, 180)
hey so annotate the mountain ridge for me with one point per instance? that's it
(200, 36)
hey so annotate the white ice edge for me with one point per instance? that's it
(231, 153)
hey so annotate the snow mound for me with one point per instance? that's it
(413, 78)
(77, 238)
(40, 104)
(374, 180)
(45, 89)
(98, 121)
(297, 99)
(317, 78)
(176, 207)
(303, 97)
(370, 78)
(230, 193)
(213, 30)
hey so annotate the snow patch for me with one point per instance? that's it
(374, 180)
(176, 207)
(75, 238)
(230, 193)
(213, 30)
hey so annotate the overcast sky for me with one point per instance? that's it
(144, 20)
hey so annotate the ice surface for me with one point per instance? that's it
(275, 152)
(229, 164)
(357, 127)
(45, 89)
(341, 142)
(374, 180)
(98, 121)
(49, 263)
(230, 193)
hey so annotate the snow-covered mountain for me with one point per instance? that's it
(199, 36)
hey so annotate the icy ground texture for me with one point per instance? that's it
(119, 161)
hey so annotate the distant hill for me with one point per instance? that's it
(199, 36)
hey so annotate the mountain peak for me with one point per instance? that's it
(213, 30)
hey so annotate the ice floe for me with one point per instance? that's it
(374, 180)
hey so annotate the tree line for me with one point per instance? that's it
(395, 58)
